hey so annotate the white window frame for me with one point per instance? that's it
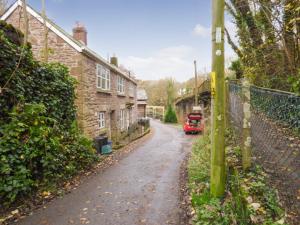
(122, 119)
(121, 85)
(101, 120)
(103, 77)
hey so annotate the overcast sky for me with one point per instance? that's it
(153, 38)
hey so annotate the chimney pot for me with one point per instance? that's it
(80, 33)
(114, 61)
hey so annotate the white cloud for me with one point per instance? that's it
(167, 62)
(202, 31)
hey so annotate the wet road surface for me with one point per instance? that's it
(142, 188)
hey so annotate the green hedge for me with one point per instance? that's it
(170, 116)
(40, 144)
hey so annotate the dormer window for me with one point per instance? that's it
(103, 77)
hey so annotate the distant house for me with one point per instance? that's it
(142, 102)
(106, 95)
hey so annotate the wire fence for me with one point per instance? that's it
(275, 135)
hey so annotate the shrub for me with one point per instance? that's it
(34, 152)
(31, 81)
(170, 116)
(40, 144)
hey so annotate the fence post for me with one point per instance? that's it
(227, 102)
(246, 136)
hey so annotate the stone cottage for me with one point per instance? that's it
(106, 95)
(141, 102)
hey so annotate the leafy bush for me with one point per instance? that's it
(35, 152)
(294, 81)
(27, 80)
(40, 144)
(170, 116)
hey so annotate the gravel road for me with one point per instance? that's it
(141, 189)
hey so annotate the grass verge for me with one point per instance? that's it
(248, 199)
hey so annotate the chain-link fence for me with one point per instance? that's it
(275, 135)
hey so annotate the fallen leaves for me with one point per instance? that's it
(255, 206)
(15, 212)
(46, 194)
(84, 220)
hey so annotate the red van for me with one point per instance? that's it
(193, 123)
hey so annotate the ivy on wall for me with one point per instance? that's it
(40, 144)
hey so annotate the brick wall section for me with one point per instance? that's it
(90, 100)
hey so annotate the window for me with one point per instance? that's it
(101, 120)
(103, 77)
(131, 90)
(122, 119)
(121, 85)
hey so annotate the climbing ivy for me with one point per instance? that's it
(27, 80)
(40, 144)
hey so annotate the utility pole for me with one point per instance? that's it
(217, 181)
(196, 83)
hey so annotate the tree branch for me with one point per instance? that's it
(233, 45)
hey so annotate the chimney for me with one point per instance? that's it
(80, 33)
(114, 61)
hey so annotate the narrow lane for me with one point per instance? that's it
(142, 188)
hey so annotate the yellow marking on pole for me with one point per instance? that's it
(213, 83)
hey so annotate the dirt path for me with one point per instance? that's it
(142, 188)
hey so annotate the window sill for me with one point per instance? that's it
(130, 96)
(121, 94)
(103, 91)
(102, 131)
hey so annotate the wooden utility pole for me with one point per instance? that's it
(25, 21)
(196, 83)
(217, 181)
(46, 52)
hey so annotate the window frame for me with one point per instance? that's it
(103, 80)
(121, 85)
(101, 120)
(122, 119)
